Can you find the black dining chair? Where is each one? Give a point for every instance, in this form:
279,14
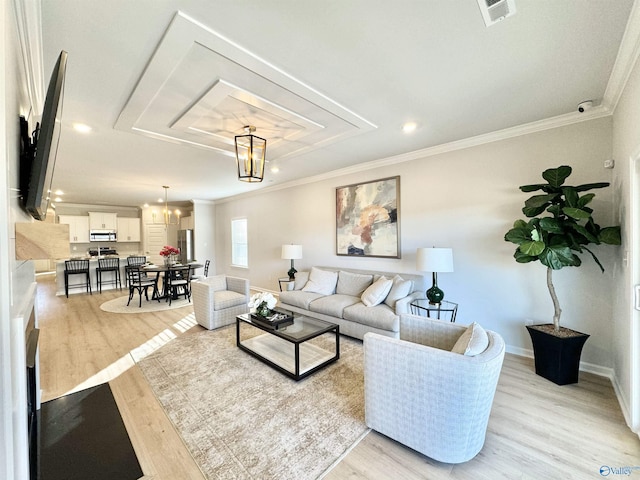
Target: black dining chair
205,274
133,260
139,281
106,265
76,267
179,283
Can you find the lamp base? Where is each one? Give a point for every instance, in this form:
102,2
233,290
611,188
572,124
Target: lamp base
435,295
292,273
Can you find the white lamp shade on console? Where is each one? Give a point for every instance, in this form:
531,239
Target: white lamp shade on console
435,260
292,252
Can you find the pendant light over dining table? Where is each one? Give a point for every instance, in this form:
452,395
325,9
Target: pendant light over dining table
250,155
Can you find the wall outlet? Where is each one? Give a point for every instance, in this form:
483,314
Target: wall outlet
609,163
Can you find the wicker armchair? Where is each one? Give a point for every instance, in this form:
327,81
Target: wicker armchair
426,397
219,299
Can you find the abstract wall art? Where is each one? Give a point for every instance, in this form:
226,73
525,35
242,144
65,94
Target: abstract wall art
368,219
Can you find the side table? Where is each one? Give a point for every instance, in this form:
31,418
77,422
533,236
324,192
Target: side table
440,311
288,284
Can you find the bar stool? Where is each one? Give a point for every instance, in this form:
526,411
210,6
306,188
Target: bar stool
76,267
108,265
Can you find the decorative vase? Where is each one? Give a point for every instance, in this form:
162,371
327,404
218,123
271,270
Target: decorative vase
263,310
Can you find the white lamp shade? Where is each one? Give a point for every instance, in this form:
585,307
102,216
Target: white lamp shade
434,260
291,252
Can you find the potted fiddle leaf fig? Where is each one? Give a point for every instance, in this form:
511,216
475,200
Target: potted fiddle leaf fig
560,226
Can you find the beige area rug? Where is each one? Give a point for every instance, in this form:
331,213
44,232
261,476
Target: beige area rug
241,419
119,305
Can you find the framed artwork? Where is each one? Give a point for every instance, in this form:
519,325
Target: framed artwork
368,219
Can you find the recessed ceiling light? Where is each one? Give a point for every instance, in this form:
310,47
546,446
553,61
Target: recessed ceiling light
81,127
59,192
58,199
409,127
275,169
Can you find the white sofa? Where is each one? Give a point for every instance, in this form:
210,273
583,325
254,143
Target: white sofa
219,299
349,298
433,388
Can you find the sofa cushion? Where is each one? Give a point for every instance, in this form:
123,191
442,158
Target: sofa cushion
216,283
377,292
352,283
321,281
400,289
298,298
301,280
226,299
380,316
333,305
473,341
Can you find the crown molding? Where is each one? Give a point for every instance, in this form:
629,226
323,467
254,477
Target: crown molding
625,60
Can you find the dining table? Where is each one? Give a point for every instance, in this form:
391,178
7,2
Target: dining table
164,270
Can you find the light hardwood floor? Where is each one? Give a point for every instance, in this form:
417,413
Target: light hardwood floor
537,429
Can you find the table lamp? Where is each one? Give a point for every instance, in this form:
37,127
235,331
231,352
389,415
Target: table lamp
435,260
292,252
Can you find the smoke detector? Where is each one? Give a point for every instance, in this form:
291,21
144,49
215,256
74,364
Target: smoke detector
493,11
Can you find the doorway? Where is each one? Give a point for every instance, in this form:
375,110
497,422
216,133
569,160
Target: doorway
156,238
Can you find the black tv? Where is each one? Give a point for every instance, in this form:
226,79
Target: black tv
38,152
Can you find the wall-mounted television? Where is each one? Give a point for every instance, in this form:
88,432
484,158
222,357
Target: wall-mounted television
38,151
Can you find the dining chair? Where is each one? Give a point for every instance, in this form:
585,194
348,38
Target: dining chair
139,281
205,274
76,267
133,260
179,283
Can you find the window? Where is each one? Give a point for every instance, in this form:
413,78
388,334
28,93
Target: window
239,243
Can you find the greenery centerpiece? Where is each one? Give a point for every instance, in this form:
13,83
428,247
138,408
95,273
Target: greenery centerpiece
263,302
560,226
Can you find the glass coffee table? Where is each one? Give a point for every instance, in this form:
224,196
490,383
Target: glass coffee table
297,350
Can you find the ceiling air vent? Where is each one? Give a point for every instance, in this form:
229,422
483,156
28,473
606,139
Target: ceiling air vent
495,10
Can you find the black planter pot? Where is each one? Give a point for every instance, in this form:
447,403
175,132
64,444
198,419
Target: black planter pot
557,358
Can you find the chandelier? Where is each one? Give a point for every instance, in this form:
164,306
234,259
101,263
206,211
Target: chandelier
167,215
250,154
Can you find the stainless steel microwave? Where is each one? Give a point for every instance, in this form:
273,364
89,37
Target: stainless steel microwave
102,236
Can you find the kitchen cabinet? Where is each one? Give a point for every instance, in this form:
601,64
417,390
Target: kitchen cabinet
186,223
78,227
103,221
128,229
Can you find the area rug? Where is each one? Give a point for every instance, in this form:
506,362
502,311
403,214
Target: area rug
119,305
241,419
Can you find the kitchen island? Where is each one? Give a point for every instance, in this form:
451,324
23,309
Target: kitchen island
93,264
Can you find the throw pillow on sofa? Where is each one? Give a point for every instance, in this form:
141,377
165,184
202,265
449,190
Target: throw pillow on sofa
400,289
472,342
377,292
301,280
321,281
352,283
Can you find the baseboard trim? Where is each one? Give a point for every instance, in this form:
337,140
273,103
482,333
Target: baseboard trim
584,366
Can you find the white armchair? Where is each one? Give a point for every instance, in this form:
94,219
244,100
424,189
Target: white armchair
426,397
219,299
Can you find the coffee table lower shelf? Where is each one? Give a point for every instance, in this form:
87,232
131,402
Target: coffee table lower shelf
295,357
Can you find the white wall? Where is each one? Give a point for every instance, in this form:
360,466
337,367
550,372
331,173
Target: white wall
16,278
204,233
626,144
466,200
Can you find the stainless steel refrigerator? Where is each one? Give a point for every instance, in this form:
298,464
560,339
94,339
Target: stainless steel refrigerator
185,244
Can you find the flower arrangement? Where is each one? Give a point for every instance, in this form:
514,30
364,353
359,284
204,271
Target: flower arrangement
168,251
263,302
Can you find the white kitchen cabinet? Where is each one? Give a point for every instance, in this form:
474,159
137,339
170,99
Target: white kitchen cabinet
128,229
78,227
103,221
186,223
